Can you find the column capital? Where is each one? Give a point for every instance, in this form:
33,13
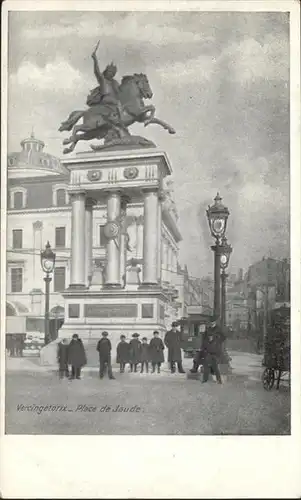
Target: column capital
75,193
113,191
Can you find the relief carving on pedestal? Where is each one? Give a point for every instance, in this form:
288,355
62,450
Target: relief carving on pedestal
94,175
130,172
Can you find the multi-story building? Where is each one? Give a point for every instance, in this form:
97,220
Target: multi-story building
39,210
268,287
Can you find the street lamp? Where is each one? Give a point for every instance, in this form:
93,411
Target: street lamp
47,263
224,262
217,215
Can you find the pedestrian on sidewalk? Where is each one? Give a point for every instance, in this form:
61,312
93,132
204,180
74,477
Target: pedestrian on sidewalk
76,356
135,352
173,340
211,349
122,353
156,352
104,348
62,358
144,355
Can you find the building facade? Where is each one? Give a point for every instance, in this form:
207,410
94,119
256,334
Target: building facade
39,210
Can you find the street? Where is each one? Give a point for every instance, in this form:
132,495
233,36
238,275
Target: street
160,404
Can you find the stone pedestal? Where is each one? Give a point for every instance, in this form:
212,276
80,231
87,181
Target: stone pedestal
111,178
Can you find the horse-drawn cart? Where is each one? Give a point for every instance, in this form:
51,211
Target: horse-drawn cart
277,349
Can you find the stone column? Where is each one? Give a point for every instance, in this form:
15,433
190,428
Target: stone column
159,237
78,240
164,260
112,233
170,263
139,237
89,241
123,241
150,237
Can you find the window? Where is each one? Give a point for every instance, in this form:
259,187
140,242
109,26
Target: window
16,279
60,197
18,200
18,197
59,279
60,237
102,238
17,238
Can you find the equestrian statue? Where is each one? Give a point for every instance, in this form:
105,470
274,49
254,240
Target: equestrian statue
112,108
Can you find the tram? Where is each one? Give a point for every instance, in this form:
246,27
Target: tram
192,329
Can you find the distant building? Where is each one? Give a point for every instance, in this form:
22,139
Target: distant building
39,210
268,287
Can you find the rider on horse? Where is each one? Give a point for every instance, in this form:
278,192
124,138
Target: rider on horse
107,93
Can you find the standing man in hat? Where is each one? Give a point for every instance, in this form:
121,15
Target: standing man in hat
156,351
76,356
173,340
104,348
211,351
135,352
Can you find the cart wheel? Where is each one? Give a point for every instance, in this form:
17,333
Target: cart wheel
268,379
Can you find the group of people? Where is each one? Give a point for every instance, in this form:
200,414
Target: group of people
136,353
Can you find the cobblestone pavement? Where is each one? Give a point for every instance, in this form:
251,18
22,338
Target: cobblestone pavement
160,404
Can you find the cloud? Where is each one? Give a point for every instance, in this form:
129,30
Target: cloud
198,69
57,75
132,27
250,60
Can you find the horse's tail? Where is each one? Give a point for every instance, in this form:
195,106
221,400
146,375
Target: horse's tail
71,121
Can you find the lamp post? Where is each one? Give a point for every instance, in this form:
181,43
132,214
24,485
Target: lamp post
47,263
225,256
217,215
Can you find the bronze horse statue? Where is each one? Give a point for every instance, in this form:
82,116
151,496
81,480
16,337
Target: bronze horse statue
105,121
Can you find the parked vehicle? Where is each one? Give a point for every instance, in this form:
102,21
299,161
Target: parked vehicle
277,348
192,329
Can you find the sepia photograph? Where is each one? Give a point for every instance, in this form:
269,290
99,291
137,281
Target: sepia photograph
148,245
148,224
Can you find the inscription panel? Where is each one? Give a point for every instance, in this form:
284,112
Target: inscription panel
147,310
73,310
111,310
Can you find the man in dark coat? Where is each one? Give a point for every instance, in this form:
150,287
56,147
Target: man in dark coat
144,355
212,351
76,356
104,348
173,341
62,357
156,352
123,353
135,352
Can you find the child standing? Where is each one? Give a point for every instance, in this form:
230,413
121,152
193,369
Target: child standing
123,353
135,351
156,352
144,355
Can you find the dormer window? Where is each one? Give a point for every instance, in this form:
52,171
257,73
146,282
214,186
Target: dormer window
60,196
18,198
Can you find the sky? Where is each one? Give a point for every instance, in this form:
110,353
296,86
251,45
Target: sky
220,79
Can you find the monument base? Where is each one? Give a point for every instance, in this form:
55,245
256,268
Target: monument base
119,312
